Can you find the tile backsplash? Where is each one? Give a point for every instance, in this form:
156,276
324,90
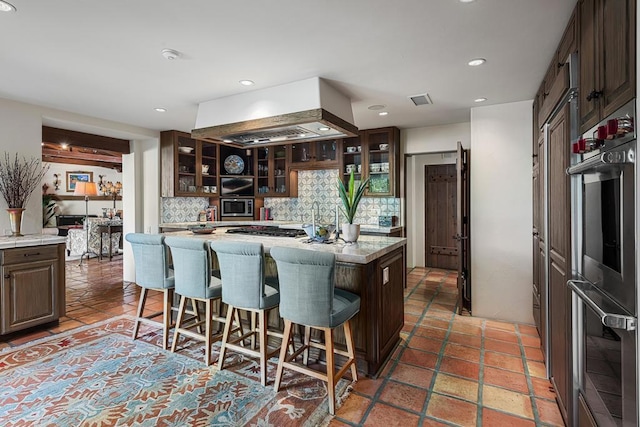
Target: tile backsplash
321,186
313,186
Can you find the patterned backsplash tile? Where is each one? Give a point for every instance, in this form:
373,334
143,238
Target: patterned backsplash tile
313,186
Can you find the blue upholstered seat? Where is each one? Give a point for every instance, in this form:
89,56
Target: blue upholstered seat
194,280
308,297
152,272
244,287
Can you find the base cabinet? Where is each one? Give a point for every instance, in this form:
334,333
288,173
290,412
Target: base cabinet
31,287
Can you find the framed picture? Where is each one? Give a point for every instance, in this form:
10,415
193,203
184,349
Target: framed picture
73,177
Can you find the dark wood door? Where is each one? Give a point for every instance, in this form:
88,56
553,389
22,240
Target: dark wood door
617,53
589,111
440,217
559,259
462,229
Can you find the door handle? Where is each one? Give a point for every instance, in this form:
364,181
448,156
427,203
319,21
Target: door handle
607,317
459,237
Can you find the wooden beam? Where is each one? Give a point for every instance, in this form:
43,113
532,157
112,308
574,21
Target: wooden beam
80,155
81,139
63,160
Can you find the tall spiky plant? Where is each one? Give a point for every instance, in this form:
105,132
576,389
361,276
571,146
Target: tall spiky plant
18,178
351,197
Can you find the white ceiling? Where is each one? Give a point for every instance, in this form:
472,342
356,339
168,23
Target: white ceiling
103,58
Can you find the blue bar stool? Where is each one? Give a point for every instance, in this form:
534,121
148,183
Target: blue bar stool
244,288
152,273
308,297
194,280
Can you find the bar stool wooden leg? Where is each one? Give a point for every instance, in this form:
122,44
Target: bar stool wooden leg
196,312
252,315
166,317
225,336
307,339
239,322
183,300
143,299
208,331
286,336
263,345
331,374
350,349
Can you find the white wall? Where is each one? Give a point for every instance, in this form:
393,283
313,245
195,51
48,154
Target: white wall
424,140
77,207
415,204
501,211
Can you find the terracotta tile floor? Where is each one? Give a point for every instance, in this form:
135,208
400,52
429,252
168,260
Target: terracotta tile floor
447,370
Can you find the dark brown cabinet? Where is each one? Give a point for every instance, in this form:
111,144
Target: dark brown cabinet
374,154
271,171
559,243
32,286
316,155
189,166
607,58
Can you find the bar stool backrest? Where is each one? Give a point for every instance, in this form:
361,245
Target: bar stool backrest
306,285
242,273
192,266
150,257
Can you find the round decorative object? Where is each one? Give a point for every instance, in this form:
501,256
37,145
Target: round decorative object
234,164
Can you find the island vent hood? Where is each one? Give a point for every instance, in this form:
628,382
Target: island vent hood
306,110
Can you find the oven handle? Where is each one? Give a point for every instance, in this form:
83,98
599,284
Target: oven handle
610,158
613,320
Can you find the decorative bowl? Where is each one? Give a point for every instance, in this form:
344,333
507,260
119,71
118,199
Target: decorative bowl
186,150
202,229
323,231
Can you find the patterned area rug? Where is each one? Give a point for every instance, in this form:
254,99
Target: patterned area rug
98,376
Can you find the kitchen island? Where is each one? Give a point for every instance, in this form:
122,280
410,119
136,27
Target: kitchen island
374,269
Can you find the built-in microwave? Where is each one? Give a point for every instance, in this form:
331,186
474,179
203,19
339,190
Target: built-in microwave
236,208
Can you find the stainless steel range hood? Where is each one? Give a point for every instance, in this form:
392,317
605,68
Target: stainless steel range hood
307,110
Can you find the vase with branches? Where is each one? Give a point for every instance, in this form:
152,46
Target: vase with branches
350,199
19,177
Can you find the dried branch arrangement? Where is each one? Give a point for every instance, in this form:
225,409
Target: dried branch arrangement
19,177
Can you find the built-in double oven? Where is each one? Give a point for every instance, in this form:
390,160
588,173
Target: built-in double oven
604,292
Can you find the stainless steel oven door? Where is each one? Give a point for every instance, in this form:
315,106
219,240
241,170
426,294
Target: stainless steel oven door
604,357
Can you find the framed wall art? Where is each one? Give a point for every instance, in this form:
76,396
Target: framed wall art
73,177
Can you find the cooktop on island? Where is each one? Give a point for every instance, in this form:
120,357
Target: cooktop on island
267,230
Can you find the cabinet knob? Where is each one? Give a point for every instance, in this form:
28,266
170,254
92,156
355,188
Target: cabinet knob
594,94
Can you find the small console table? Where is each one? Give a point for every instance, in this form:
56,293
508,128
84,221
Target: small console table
109,228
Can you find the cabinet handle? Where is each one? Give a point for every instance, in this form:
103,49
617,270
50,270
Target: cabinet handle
594,94
561,64
535,233
33,254
7,276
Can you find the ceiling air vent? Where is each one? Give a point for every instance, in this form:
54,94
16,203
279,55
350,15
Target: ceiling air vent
423,99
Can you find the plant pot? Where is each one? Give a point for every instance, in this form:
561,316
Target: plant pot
15,218
350,232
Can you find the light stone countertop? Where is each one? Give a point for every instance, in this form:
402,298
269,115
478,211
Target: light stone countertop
369,228
367,249
8,242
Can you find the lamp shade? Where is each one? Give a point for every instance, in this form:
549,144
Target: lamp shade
85,189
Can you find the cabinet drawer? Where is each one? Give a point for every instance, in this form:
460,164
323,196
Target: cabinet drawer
29,254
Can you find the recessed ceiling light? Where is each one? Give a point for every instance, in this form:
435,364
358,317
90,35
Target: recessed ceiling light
170,54
64,146
227,140
7,7
246,82
161,110
376,107
480,100
323,128
466,1
477,61
383,113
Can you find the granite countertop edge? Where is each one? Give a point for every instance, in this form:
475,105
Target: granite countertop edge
370,228
8,242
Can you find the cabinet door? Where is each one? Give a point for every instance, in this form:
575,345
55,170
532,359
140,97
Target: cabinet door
568,44
559,259
271,171
381,147
29,295
353,159
316,155
208,161
617,54
589,108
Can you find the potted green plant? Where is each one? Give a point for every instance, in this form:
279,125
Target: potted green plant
350,199
18,178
